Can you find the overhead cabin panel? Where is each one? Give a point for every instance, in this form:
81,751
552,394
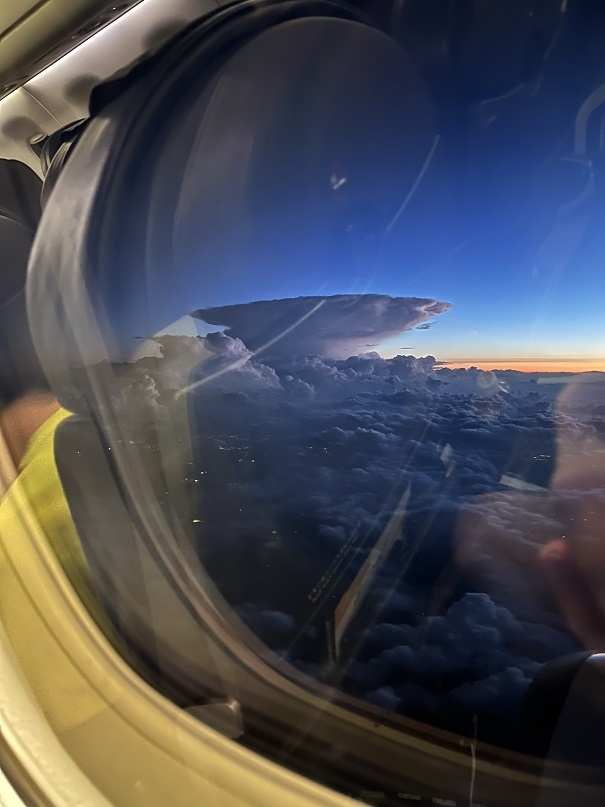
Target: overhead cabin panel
59,93
34,32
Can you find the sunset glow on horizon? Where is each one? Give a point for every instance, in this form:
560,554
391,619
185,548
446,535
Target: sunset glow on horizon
531,365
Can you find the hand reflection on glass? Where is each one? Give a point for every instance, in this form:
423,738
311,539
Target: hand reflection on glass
575,561
506,541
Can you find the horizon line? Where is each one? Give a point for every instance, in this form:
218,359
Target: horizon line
528,365
524,359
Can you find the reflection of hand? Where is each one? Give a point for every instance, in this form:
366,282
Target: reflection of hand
505,541
576,561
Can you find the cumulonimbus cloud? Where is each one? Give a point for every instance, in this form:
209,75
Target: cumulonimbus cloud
336,327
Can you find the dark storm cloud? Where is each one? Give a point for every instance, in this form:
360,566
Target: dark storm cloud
477,655
336,326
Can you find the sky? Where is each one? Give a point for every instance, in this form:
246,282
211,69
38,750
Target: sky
515,276
507,313
548,332
531,320
524,318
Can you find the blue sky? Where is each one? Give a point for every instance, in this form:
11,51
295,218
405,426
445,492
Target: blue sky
508,310
522,317
523,312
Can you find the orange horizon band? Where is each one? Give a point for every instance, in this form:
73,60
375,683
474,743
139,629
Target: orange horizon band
531,365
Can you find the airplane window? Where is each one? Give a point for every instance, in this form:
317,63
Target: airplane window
336,360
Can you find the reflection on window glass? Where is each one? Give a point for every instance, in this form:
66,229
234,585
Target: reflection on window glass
379,425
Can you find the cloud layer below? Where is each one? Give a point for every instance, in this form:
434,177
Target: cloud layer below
298,460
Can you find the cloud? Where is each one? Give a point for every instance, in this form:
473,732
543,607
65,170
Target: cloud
498,537
228,367
298,461
475,658
467,618
273,627
338,326
213,364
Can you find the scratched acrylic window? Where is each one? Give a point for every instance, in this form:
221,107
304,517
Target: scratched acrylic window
381,442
